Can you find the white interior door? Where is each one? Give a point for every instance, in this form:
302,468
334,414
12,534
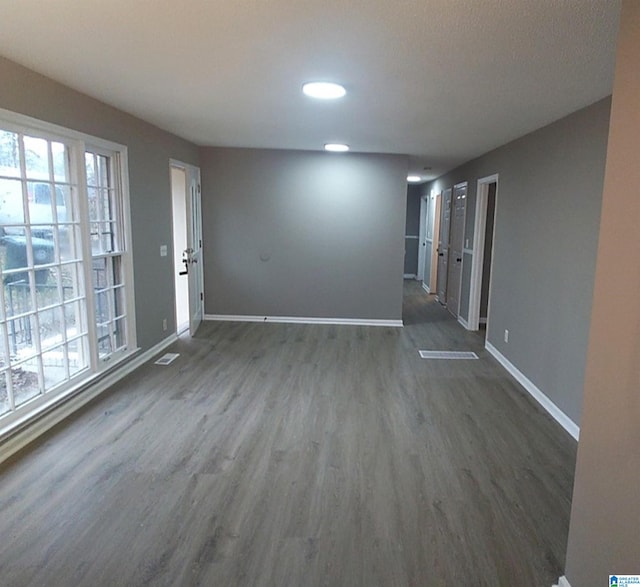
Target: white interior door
443,245
456,242
193,253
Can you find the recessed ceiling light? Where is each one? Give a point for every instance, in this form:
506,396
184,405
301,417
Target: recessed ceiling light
324,90
336,147
414,178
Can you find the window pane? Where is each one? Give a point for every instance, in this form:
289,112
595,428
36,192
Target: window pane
70,281
4,353
60,162
9,154
103,312
107,237
36,153
94,204
120,333
70,239
22,333
40,203
4,394
119,302
50,328
17,297
100,279
103,171
43,248
53,363
117,270
90,167
96,245
104,341
25,381
11,207
78,358
47,294
64,204
73,314
105,205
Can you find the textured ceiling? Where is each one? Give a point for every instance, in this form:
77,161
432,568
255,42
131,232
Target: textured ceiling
440,80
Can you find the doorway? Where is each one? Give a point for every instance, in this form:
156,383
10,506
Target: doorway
429,234
179,216
484,230
187,246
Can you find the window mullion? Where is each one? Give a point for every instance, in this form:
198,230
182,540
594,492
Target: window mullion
87,258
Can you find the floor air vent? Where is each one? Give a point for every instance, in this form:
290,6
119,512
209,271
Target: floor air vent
167,358
447,355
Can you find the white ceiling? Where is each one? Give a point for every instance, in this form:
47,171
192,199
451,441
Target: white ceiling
440,80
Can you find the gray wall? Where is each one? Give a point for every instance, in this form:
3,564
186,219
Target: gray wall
546,233
150,149
304,234
605,512
411,230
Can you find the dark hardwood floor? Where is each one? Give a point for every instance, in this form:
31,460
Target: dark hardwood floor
295,455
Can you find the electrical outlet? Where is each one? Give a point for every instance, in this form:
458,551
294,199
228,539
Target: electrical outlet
506,335
163,250
164,324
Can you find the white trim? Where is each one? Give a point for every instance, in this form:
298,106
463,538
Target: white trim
411,236
463,322
303,320
562,582
479,229
569,425
426,288
410,276
31,429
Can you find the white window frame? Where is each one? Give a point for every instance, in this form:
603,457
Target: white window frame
79,143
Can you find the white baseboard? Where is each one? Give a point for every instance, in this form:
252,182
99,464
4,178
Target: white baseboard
562,582
463,322
410,276
301,320
58,411
556,413
426,288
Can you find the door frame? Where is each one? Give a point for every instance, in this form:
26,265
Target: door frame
191,172
479,229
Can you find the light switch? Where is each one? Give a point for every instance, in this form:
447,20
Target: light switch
163,250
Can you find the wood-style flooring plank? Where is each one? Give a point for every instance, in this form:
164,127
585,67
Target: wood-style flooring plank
298,455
